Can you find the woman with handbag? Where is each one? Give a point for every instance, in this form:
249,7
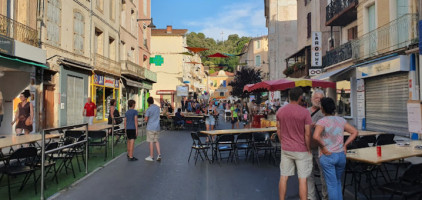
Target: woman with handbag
114,113
24,115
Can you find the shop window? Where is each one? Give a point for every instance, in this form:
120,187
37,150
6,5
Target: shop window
53,22
78,33
343,99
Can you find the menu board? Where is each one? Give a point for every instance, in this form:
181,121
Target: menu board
414,116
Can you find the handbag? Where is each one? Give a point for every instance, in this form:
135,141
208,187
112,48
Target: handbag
28,122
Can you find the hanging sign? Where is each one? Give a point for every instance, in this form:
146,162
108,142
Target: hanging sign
316,49
109,82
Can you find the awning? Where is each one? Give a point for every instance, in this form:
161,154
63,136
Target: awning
132,83
75,64
26,62
165,92
327,75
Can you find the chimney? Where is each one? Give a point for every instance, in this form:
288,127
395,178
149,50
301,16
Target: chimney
169,29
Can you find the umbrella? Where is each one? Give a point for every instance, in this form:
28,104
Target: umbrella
217,55
186,53
196,49
193,62
247,87
287,83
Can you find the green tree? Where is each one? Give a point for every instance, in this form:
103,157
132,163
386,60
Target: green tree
243,77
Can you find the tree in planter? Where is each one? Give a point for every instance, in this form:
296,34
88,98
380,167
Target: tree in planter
243,77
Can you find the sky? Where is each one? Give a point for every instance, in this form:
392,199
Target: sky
215,18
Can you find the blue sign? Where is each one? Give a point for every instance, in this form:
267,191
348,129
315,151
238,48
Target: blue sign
116,83
98,79
420,36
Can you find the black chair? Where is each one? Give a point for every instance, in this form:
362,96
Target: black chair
243,142
77,151
369,139
225,143
199,147
21,162
262,142
98,139
408,185
66,156
387,138
74,134
48,163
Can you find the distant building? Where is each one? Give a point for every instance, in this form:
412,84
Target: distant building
256,56
219,84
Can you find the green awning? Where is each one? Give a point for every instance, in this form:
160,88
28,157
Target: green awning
24,61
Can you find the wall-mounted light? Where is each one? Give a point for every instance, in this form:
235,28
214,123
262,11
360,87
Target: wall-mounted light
151,25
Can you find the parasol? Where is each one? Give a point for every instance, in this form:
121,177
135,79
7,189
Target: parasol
247,87
217,55
287,83
196,49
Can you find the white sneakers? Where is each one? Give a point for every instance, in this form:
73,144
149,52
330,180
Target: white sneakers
149,158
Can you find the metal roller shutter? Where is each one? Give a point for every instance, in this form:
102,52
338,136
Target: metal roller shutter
75,100
386,99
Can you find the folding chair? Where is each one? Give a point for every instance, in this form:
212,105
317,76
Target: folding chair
98,139
199,148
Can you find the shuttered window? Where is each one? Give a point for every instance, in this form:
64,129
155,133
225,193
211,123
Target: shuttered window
352,33
145,7
78,33
257,61
386,103
309,25
53,22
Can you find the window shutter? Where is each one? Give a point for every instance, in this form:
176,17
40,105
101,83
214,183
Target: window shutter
309,25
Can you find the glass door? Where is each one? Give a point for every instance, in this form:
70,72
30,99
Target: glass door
99,101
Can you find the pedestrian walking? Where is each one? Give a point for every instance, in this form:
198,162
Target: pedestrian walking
316,114
211,111
24,115
294,130
152,117
89,111
245,115
329,135
113,113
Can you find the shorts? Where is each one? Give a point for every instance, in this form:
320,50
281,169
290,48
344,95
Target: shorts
131,134
210,120
234,120
290,160
152,136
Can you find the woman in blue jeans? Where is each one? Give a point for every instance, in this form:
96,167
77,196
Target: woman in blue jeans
329,135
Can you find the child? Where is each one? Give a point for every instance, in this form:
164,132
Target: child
131,127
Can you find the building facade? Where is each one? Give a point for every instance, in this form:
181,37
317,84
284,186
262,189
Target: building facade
22,62
281,21
219,84
256,56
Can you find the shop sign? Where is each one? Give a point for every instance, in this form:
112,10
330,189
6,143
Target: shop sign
165,92
7,45
315,72
400,63
109,82
147,85
316,50
98,79
182,91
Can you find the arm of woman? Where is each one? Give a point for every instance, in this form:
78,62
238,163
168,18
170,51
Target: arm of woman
31,111
317,138
353,134
16,116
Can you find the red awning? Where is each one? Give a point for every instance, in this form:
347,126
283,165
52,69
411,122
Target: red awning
217,55
287,83
196,49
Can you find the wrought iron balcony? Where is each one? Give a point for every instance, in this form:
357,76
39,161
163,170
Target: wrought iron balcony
106,65
337,55
150,75
395,35
341,12
132,69
18,31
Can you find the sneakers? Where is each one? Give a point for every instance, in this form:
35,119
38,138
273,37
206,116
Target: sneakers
132,159
159,158
149,158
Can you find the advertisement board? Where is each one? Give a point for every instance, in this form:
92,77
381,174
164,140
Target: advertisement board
182,91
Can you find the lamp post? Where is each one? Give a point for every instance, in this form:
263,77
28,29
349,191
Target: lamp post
151,25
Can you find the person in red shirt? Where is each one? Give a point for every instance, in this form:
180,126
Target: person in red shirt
294,130
89,111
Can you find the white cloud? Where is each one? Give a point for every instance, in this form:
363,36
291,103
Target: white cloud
244,19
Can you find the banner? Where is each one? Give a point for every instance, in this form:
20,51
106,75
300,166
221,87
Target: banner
182,91
316,50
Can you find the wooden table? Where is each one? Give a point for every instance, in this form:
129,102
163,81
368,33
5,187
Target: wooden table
388,153
236,131
9,141
95,127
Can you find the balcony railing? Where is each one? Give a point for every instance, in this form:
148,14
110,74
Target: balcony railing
392,36
132,69
150,75
106,65
18,31
337,55
341,12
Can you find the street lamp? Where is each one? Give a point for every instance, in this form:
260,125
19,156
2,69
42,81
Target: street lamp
151,25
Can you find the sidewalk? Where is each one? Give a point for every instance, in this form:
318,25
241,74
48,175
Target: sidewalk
175,178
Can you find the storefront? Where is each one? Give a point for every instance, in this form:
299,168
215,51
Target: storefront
382,94
147,87
74,83
131,89
104,89
167,96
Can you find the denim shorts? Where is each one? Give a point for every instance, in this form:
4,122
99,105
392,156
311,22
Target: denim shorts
210,120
